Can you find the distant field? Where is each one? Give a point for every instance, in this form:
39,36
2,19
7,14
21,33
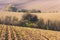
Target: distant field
43,5
45,16
8,32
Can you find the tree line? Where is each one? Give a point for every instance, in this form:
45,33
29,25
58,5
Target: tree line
15,9
31,20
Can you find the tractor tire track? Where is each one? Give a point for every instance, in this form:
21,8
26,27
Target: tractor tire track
17,34
3,33
9,34
13,34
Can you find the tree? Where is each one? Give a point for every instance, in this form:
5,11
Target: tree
41,23
12,8
30,17
54,26
48,24
58,26
51,25
0,21
28,20
14,20
36,11
7,20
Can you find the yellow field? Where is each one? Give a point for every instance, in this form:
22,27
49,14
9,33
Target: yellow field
8,32
45,16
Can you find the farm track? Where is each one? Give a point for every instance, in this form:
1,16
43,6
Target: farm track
16,33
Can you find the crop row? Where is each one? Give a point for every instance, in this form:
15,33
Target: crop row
8,32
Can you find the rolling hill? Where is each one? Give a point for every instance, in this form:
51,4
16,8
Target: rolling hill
43,5
45,16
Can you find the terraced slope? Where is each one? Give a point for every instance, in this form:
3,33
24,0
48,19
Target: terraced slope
8,32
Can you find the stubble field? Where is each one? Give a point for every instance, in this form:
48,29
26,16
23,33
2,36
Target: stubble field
8,32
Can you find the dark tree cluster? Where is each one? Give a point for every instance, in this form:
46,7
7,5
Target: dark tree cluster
30,17
31,11
15,9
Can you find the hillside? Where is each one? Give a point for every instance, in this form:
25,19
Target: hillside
43,5
8,32
45,16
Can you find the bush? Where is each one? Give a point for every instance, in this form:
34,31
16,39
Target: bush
22,22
